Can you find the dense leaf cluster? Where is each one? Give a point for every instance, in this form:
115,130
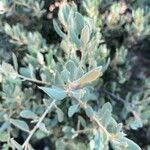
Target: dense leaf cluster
86,90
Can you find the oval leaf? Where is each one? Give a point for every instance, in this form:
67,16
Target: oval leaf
4,136
54,92
20,124
85,34
74,38
89,111
132,145
58,30
72,110
28,114
89,77
60,114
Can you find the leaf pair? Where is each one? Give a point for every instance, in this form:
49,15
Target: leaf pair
59,93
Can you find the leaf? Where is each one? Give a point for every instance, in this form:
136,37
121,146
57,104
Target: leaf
65,75
72,110
59,144
89,111
25,72
68,132
4,136
40,58
54,92
98,141
58,30
89,77
74,38
107,107
7,68
43,128
82,121
79,20
135,123
105,117
124,143
131,145
28,114
5,147
85,34
15,63
92,144
5,126
60,114
20,124
71,67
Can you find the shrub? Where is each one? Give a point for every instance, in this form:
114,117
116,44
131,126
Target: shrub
72,92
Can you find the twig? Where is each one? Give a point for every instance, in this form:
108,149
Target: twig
96,120
38,124
84,131
33,80
112,95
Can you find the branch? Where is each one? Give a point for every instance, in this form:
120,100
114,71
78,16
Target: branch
33,80
38,124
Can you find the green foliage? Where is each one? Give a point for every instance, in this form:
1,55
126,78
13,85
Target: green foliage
73,94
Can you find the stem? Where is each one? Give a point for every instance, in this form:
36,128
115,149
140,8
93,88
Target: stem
117,98
101,126
33,80
37,125
96,120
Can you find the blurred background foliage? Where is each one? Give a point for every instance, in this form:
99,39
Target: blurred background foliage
120,31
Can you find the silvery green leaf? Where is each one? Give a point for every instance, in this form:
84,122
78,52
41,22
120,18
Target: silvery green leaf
64,13
25,72
58,30
124,143
78,94
71,67
5,147
97,140
131,145
135,123
15,62
43,128
107,106
20,124
58,81
40,58
4,136
68,132
79,21
82,121
28,114
7,68
65,75
78,73
85,35
59,144
74,38
60,114
92,144
5,126
8,29
105,118
89,111
72,110
112,126
54,92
